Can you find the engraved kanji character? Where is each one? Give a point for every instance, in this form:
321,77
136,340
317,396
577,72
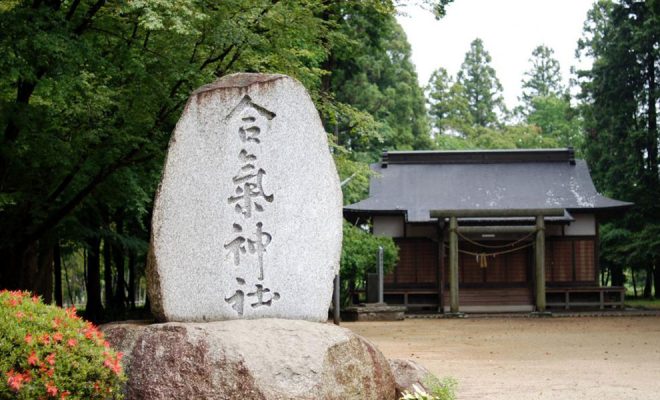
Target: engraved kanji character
259,294
250,186
237,245
237,299
262,239
249,129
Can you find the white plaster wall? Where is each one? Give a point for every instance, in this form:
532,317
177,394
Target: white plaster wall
584,224
388,226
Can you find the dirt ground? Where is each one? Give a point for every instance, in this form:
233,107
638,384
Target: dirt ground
528,358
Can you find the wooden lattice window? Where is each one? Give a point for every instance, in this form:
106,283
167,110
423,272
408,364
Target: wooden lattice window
418,263
559,261
570,260
585,260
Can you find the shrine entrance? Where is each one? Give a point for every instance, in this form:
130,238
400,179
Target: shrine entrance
517,276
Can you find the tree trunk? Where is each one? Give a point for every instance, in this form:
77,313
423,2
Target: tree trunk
656,280
118,252
28,267
107,274
120,287
618,279
634,281
43,280
132,278
72,301
605,276
57,264
94,308
648,284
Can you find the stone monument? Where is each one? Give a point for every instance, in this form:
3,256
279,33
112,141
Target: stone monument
248,217
246,239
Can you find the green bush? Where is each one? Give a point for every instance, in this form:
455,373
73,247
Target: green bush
444,389
359,255
49,352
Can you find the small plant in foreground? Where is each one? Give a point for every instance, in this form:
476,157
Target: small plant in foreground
47,352
444,389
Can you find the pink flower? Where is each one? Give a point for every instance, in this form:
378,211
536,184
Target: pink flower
57,336
72,342
33,359
35,299
113,363
51,389
71,312
19,315
15,380
44,339
50,359
28,338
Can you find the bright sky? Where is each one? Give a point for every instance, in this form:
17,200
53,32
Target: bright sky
510,29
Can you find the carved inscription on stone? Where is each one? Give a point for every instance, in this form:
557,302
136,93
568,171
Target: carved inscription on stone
250,239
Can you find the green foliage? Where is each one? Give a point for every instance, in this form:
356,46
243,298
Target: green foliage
448,105
643,304
557,119
519,136
543,79
620,100
89,95
482,88
49,352
378,102
360,252
444,389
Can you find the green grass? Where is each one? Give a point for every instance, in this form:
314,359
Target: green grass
644,304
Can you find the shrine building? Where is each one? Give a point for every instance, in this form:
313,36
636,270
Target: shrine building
490,231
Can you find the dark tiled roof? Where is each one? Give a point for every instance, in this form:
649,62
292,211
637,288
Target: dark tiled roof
413,183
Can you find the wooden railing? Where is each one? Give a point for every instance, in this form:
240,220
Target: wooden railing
600,297
408,293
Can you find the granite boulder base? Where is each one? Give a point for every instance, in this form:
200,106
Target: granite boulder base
247,218
256,359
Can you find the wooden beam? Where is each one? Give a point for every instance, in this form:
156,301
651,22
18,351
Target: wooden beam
453,265
540,264
496,213
441,265
496,229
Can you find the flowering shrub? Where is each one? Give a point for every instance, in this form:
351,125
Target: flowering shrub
49,352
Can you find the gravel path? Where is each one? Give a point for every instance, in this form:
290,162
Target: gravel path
530,358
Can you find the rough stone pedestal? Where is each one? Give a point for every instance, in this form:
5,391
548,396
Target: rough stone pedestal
250,359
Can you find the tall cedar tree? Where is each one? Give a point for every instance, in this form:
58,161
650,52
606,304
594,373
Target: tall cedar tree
620,93
482,88
543,79
379,102
448,105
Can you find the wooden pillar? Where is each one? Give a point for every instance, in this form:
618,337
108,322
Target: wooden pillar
540,264
441,266
453,265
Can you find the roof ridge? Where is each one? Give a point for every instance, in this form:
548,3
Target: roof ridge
504,156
